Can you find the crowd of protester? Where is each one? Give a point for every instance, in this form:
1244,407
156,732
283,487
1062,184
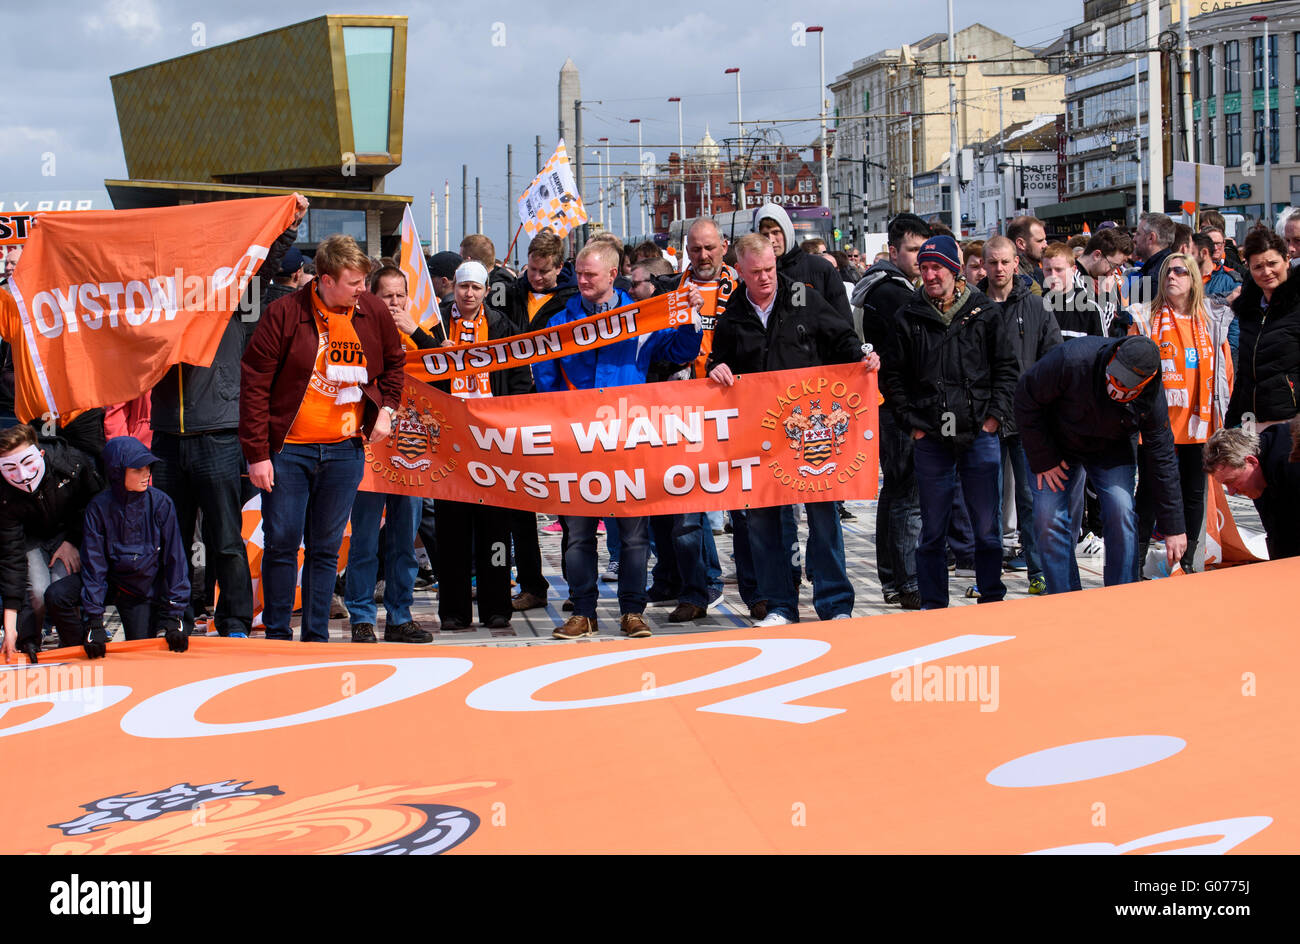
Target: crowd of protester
1094,379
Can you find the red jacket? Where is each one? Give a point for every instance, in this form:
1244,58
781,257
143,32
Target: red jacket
281,355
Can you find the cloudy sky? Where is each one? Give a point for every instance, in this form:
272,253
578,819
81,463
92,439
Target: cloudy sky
467,98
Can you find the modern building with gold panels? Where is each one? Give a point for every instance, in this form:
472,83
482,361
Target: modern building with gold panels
315,107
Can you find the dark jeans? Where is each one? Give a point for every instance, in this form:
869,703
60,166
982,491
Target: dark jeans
203,472
483,541
746,578
580,563
939,464
1057,517
961,533
429,534
315,486
528,553
401,514
1191,478
684,545
1016,464
774,551
63,601
898,510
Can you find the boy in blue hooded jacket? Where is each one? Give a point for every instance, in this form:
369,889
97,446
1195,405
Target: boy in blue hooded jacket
131,557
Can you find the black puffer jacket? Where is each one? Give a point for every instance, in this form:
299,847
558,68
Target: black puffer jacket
799,266
1064,414
880,293
807,335
1033,331
58,506
1267,384
966,368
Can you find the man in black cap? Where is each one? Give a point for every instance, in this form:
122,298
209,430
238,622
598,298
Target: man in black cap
1080,410
442,271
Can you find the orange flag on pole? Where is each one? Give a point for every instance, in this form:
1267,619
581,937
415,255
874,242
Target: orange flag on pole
419,286
104,302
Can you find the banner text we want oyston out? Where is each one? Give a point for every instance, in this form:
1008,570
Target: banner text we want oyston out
772,439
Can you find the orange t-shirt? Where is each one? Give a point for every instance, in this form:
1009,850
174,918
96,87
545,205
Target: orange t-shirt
320,419
535,302
715,293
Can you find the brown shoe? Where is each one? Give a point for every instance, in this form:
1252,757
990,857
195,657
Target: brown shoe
635,626
527,601
575,627
687,613
758,611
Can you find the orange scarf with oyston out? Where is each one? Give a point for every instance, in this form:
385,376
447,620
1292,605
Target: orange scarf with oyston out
345,361
473,330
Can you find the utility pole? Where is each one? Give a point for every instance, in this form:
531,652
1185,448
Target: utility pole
911,194
433,222
740,123
1156,183
821,96
446,214
464,201
1137,131
681,156
537,143
510,163
952,116
478,208
622,198
1002,190
1185,79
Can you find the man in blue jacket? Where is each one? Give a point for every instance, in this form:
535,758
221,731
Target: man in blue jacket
615,365
131,557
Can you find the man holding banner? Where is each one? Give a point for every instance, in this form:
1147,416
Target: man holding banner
615,365
323,369
774,323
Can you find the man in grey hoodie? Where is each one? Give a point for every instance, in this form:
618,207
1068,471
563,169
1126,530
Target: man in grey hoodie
772,222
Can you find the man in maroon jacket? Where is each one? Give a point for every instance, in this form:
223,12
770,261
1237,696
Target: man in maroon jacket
323,369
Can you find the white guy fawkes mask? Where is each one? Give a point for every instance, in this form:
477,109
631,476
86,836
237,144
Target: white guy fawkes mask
24,469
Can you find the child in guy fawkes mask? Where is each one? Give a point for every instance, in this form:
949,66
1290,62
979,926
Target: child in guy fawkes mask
46,488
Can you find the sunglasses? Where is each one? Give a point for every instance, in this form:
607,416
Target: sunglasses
1177,270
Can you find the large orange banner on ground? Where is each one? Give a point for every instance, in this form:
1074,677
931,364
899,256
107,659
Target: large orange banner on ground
690,445
1114,721
107,300
522,350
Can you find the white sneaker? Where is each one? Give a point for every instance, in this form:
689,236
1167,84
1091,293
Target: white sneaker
842,616
1091,545
718,602
611,573
773,619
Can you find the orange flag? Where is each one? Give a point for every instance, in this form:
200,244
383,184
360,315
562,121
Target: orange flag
105,301
419,286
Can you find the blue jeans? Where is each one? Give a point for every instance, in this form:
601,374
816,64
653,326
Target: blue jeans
687,565
400,524
938,465
315,486
774,549
1018,465
580,563
1058,516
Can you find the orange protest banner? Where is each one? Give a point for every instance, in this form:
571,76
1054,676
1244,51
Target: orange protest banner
1125,720
689,445
15,228
99,292
522,350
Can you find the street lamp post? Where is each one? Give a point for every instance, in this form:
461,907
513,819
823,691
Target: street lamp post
821,94
952,109
740,123
1268,169
640,173
681,154
603,172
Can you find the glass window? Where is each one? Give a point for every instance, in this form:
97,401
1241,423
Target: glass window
1210,65
1259,135
1211,141
1257,61
322,223
368,51
1233,155
1232,66
1196,74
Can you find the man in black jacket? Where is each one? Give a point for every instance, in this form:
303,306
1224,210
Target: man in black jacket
764,327
885,289
47,486
1033,332
195,421
543,290
773,223
1080,409
1265,467
950,384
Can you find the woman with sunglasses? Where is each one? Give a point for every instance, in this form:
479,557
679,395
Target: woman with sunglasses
1268,352
1196,366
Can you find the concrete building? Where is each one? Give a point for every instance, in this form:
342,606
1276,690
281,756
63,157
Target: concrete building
1107,137
315,107
1012,173
893,125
